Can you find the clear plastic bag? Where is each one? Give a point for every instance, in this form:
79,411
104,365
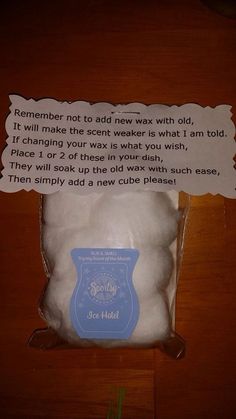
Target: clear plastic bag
112,263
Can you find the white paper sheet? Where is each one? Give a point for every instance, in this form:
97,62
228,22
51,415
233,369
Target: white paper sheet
86,147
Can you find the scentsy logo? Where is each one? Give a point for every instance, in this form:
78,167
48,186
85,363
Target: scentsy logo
103,288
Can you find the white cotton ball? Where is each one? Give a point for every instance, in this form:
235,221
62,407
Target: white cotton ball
152,271
142,217
68,209
57,244
56,306
56,301
55,249
153,323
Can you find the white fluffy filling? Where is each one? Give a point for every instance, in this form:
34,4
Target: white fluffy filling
146,221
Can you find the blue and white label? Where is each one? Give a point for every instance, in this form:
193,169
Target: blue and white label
104,304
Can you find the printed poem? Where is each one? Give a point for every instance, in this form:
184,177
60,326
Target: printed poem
81,147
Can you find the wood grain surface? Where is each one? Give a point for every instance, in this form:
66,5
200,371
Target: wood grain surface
120,51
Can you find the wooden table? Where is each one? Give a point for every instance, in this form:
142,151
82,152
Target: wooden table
123,51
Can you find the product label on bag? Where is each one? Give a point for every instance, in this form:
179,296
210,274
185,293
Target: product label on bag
85,147
104,304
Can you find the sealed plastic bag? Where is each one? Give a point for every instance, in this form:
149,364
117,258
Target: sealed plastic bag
111,261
